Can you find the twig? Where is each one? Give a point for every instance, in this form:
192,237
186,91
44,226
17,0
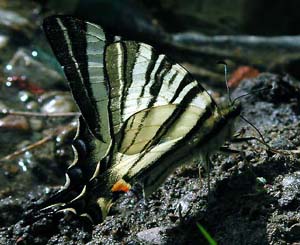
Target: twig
39,143
247,40
27,148
39,114
202,72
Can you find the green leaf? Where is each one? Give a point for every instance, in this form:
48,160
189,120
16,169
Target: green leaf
207,236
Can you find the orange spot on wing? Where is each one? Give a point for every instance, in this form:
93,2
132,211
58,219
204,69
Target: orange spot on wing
121,185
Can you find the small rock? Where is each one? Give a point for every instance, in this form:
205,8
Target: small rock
183,206
3,106
282,143
290,189
58,104
10,211
10,169
261,181
36,124
12,122
3,41
154,235
32,106
12,20
24,96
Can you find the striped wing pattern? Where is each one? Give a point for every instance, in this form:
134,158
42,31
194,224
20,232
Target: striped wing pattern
141,111
79,48
155,104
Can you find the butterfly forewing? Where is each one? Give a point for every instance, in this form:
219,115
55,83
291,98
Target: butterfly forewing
79,47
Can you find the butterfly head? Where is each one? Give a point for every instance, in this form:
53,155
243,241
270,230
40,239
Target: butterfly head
229,112
235,108
231,109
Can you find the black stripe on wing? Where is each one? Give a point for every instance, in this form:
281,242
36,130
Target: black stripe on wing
180,108
163,130
168,76
68,39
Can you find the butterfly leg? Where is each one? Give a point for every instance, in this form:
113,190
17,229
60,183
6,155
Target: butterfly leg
144,196
200,176
239,137
207,166
138,192
237,140
269,149
228,150
243,156
183,214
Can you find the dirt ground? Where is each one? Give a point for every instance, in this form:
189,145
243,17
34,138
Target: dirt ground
254,198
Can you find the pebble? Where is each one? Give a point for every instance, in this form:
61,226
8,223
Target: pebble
12,19
10,169
3,41
32,105
58,104
24,96
2,106
36,124
183,206
290,189
12,122
10,205
153,236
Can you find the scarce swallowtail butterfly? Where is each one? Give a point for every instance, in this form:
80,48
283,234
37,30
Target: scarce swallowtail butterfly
142,116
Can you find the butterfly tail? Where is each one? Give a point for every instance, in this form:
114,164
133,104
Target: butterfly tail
81,193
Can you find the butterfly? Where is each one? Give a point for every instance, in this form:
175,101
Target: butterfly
143,116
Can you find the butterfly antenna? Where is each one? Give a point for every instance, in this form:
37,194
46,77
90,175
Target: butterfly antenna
225,77
253,92
256,129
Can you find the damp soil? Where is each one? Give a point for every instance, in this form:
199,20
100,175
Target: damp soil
254,196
